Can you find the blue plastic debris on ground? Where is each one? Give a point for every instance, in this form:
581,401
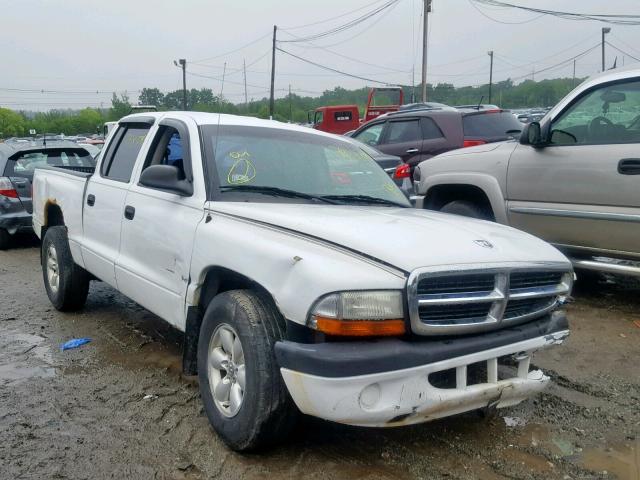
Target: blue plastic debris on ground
74,343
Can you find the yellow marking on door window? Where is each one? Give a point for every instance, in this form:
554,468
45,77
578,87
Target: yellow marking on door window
241,160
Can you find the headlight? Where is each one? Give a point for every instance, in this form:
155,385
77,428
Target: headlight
358,314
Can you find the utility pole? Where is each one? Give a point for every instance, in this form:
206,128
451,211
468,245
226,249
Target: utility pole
273,73
425,36
183,64
224,72
290,106
605,30
490,53
244,70
574,73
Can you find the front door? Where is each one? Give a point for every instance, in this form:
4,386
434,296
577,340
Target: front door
104,201
159,228
583,190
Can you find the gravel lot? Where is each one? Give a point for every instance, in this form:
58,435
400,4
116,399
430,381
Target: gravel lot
119,407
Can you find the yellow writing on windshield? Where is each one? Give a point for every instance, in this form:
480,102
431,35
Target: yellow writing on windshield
243,170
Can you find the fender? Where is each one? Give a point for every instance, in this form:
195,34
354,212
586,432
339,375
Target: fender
487,183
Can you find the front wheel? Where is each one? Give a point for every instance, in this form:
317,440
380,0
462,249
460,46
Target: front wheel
67,283
243,393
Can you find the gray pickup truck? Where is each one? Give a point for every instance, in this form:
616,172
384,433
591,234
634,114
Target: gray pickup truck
573,179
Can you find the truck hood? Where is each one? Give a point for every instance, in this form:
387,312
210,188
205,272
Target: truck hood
405,238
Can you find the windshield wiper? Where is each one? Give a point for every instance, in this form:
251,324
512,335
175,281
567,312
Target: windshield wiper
364,199
275,192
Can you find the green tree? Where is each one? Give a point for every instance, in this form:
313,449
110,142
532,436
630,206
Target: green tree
11,123
120,106
151,96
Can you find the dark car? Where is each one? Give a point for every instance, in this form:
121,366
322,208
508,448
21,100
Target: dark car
18,161
417,135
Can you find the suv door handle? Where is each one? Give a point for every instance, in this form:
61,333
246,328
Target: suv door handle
412,150
129,212
629,166
91,200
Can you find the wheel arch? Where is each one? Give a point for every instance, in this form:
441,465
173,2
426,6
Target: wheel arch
444,189
213,281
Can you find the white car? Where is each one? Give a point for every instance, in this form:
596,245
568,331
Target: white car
300,276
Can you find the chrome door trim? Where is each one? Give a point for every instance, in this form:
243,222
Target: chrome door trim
590,215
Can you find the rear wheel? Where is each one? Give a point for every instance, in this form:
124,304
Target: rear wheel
467,209
243,393
5,239
67,283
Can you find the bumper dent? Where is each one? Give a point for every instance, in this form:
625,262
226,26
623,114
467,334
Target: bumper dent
404,397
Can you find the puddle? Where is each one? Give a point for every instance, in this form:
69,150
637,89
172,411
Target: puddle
621,460
21,349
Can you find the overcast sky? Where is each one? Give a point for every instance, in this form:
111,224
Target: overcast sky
125,45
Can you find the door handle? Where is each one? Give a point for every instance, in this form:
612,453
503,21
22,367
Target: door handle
412,150
91,200
129,212
629,166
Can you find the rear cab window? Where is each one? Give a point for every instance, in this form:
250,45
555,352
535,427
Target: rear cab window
490,125
122,152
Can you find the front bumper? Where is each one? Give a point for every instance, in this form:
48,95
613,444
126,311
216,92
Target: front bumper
378,397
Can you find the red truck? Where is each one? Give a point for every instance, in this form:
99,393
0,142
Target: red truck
341,119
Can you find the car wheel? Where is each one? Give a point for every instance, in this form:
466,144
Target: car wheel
467,209
243,393
5,239
67,283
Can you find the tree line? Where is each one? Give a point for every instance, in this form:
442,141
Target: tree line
292,107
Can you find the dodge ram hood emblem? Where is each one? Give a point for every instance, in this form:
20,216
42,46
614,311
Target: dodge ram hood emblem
483,243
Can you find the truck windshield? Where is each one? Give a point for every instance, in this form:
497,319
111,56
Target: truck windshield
262,163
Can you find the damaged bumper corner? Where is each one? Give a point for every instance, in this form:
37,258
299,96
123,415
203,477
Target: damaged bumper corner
408,396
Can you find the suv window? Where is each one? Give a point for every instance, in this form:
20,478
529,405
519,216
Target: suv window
404,131
430,130
491,125
370,135
119,165
606,115
24,164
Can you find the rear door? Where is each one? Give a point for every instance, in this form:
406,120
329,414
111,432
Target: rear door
103,209
403,137
159,230
583,190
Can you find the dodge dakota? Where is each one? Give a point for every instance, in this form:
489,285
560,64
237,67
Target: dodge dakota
300,276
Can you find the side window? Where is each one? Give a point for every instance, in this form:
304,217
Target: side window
606,115
404,131
166,149
371,135
127,145
344,116
430,130
317,118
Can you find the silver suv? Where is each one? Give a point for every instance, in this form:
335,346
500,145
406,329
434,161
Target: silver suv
573,179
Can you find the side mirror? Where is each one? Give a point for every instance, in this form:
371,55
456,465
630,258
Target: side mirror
168,178
532,135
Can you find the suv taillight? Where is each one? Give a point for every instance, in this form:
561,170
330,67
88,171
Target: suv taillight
402,171
472,143
6,188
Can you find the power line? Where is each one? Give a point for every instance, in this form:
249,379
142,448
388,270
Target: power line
479,10
332,69
234,50
617,19
346,26
333,18
622,51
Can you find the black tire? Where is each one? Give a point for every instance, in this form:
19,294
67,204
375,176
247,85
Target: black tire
266,414
5,239
72,280
467,209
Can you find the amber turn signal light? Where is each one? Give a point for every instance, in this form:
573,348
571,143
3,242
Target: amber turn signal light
360,328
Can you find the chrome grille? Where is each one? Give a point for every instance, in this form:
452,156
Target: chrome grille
471,298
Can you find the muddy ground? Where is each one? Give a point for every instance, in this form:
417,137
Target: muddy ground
120,408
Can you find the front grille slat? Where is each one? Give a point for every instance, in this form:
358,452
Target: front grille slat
448,301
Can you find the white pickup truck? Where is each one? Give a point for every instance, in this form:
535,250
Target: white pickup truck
300,276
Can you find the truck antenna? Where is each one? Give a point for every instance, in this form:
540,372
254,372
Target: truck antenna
480,102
